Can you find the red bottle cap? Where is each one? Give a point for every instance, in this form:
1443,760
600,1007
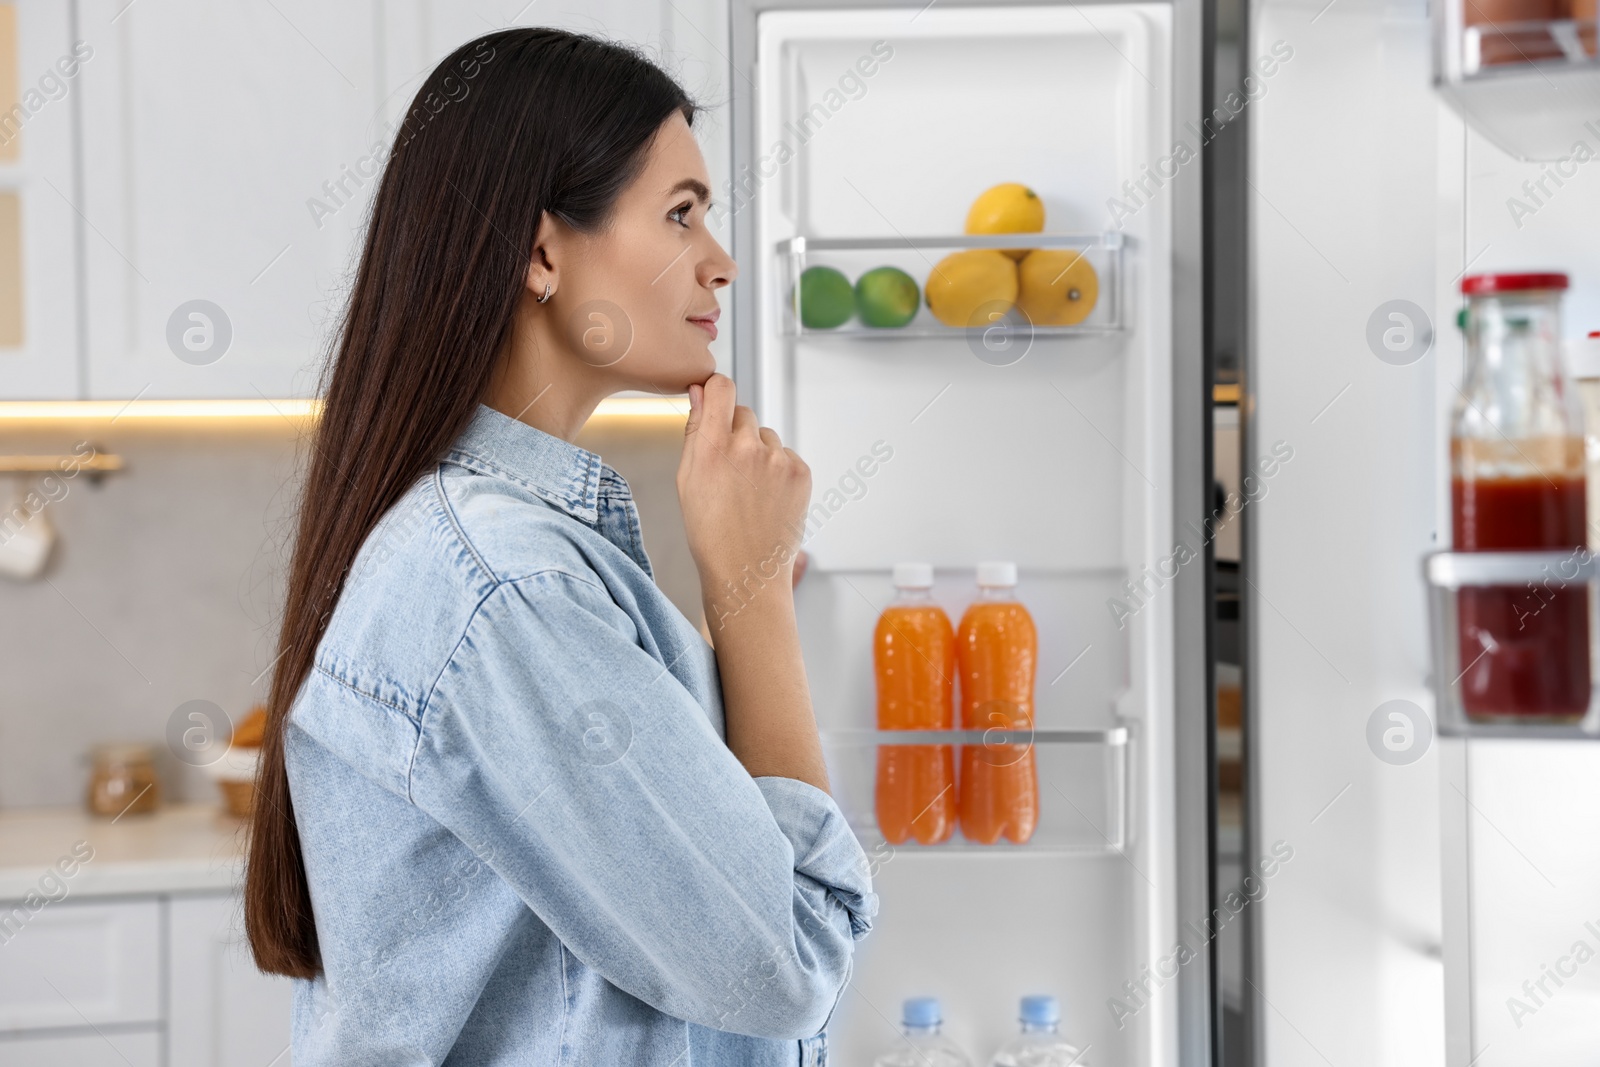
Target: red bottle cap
1476,284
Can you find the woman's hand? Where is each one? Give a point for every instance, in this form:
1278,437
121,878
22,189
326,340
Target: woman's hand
743,495
744,498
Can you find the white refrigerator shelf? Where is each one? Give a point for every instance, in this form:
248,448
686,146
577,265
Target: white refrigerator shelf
1526,86
917,256
1510,48
1082,776
1532,577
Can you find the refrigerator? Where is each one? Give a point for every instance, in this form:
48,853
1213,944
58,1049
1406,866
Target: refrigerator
1388,159
861,133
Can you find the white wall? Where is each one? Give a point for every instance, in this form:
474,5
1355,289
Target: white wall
166,585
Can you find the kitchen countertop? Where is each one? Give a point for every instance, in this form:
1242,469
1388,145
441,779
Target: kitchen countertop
179,848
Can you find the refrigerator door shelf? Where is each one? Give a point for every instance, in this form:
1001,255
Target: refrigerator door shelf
1004,331
1082,776
1533,577
1492,47
1526,86
1114,736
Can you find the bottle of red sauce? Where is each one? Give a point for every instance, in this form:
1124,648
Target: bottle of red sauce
1517,483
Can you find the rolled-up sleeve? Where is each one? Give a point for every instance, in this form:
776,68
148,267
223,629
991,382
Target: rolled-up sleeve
579,768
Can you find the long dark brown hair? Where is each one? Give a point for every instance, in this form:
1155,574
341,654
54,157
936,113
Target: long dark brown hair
507,127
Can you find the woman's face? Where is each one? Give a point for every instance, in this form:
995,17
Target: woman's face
627,299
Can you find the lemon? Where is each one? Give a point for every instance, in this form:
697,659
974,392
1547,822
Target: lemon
826,299
1009,207
1056,287
886,296
972,287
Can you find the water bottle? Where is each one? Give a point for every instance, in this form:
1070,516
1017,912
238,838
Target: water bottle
1039,1045
923,1045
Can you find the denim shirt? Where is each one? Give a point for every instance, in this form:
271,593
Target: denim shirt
526,839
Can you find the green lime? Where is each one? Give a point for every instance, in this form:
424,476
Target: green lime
887,296
826,299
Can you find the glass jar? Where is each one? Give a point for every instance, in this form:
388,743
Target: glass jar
123,781
1583,361
1518,484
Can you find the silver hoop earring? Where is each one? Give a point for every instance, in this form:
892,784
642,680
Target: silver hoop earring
546,296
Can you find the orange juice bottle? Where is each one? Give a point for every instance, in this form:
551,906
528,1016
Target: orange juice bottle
997,648
914,658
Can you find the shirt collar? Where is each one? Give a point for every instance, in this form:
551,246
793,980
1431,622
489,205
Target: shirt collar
557,471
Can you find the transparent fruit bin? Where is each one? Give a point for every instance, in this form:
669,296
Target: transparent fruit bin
918,256
1082,775
1531,583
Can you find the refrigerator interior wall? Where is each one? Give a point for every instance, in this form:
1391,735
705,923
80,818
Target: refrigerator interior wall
1059,461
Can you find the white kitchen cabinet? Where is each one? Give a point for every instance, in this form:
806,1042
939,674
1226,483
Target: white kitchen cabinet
163,981
416,36
222,1011
108,1049
217,146
39,322
76,964
190,206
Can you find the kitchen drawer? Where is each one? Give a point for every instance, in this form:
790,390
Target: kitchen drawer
75,965
115,1049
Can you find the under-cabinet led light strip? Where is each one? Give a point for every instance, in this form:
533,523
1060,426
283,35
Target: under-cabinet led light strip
113,410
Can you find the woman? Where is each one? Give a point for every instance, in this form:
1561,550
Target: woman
512,807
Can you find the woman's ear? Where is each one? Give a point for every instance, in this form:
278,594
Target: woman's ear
542,270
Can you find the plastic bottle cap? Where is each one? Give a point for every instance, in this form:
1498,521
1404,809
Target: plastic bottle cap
921,1011
1041,1010
997,574
913,576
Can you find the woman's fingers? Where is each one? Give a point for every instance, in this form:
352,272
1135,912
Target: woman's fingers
696,399
745,422
716,403
741,490
717,411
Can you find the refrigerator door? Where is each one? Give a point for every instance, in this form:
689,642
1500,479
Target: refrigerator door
861,136
1444,887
